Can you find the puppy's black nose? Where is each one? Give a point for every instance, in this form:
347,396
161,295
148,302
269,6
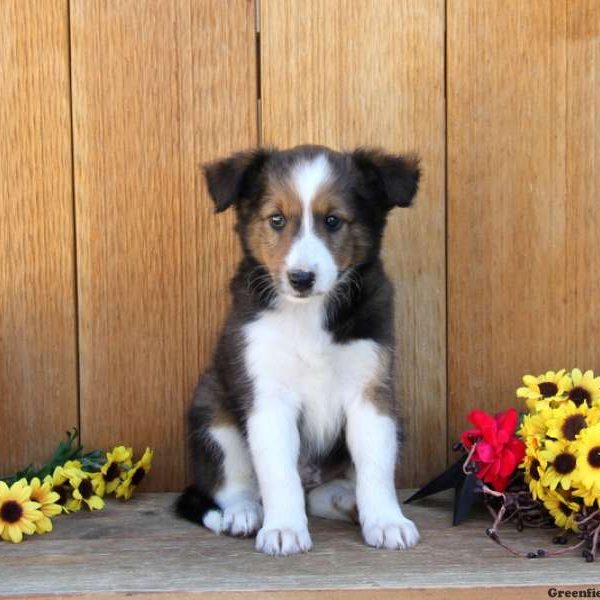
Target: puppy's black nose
301,281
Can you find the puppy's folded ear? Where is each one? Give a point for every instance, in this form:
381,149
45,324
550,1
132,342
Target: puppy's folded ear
393,179
236,177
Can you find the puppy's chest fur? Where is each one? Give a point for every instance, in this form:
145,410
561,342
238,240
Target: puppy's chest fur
295,364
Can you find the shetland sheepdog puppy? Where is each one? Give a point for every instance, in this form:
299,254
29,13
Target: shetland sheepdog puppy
296,412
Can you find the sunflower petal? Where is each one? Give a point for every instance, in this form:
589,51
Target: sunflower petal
21,493
95,503
588,376
15,534
51,510
43,525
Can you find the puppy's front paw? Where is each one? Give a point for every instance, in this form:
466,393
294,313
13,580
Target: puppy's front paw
284,541
242,519
394,534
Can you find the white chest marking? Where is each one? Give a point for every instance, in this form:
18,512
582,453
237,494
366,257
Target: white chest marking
292,359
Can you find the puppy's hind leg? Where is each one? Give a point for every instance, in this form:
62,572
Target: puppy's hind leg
225,495
237,496
335,499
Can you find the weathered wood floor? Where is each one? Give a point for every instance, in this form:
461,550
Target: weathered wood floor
139,547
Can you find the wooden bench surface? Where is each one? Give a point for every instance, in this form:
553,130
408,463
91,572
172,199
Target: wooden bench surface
139,547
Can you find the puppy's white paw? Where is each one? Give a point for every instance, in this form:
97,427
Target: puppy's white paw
284,541
242,519
393,534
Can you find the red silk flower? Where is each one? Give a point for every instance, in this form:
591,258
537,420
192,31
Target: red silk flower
498,451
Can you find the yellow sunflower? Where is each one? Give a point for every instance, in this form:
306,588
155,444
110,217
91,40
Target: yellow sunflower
534,468
85,492
135,475
567,421
99,483
534,426
583,388
561,456
73,465
60,484
540,391
563,509
588,496
111,470
588,461
593,416
72,469
18,513
48,500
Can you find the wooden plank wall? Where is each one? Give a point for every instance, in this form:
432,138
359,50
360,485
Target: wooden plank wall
158,88
347,73
38,365
523,189
113,266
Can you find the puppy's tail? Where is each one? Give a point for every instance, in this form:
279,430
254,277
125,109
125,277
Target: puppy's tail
198,507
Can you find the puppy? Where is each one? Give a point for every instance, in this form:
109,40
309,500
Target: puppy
296,411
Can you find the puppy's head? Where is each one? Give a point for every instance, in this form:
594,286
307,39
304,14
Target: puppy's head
310,214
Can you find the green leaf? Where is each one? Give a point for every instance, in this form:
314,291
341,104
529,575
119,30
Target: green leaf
69,449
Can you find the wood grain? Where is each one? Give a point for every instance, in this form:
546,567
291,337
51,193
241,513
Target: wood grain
344,73
158,88
582,165
523,183
140,547
511,592
38,376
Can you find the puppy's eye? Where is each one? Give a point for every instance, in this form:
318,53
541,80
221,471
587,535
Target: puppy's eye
332,222
277,221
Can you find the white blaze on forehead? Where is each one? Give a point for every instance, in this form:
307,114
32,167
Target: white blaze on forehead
308,176
309,252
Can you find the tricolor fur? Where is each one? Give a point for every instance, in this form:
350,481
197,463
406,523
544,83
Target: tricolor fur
297,410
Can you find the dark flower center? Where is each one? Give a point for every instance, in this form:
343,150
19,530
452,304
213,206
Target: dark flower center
63,493
579,395
112,472
11,511
137,477
593,457
572,426
86,489
564,463
548,389
565,510
533,469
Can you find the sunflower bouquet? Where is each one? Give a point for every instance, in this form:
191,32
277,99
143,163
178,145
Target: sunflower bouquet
539,470
70,481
